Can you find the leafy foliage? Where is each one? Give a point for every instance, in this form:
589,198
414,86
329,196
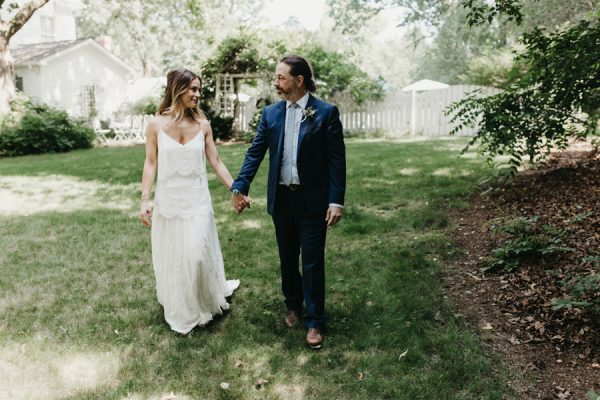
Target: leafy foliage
145,106
583,290
36,129
247,53
350,14
238,54
480,12
558,97
591,395
339,78
494,68
528,240
141,28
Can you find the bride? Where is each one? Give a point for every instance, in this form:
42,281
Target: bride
186,256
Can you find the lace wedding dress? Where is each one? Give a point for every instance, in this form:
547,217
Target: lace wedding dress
187,260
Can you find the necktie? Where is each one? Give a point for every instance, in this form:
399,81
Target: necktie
288,149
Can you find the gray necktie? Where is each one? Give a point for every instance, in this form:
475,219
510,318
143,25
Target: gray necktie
288,145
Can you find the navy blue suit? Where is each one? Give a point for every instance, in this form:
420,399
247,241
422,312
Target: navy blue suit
299,216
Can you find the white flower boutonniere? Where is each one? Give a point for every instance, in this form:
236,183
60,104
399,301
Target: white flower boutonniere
308,113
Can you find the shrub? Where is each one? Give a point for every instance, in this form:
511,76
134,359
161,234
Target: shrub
583,290
222,127
42,129
528,240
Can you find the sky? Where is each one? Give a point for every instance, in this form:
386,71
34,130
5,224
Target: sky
308,12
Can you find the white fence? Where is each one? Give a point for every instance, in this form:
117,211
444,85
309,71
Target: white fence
130,129
396,115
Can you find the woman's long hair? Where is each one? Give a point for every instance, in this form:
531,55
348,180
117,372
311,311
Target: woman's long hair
178,81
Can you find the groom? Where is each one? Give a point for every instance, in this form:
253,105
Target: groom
306,185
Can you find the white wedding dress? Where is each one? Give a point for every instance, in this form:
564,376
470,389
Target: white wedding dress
187,260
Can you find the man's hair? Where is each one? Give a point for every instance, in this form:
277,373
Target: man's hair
299,66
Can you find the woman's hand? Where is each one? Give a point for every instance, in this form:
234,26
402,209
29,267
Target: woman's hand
146,213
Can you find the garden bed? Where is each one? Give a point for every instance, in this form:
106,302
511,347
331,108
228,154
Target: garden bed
516,312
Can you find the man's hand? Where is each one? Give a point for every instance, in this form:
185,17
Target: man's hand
240,202
334,214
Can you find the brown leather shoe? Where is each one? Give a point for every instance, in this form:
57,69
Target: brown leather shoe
291,318
314,338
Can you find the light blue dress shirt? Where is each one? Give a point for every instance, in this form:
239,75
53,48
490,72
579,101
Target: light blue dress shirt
289,162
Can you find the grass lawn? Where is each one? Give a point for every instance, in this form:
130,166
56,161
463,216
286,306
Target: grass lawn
79,317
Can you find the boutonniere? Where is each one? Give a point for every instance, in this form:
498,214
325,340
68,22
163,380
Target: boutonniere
308,113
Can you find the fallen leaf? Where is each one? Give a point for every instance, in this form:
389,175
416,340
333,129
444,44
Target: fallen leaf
224,385
402,355
487,326
361,376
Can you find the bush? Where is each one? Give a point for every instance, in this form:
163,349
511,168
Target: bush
583,290
528,241
42,129
222,127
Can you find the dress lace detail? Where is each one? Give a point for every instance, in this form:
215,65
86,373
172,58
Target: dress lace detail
186,255
182,186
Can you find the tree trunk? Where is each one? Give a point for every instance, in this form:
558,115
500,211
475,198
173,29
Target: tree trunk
7,87
7,30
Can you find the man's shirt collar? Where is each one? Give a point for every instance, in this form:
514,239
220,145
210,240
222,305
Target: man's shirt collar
301,102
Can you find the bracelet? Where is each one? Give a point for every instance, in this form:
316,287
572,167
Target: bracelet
235,192
145,196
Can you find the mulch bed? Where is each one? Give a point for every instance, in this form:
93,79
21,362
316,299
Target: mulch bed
558,351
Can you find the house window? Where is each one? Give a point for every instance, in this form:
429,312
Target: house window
47,28
88,101
19,82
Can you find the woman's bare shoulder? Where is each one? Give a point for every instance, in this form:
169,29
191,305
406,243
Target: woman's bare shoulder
205,126
156,122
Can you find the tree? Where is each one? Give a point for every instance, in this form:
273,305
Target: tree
556,99
238,54
350,14
8,27
455,52
145,32
254,54
338,78
157,35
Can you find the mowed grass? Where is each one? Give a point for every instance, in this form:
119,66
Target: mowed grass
79,317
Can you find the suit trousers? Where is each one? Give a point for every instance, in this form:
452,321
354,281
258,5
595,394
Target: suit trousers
299,231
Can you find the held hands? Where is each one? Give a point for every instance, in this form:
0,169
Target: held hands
240,202
334,214
146,212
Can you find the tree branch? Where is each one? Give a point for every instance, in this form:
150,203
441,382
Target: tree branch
22,17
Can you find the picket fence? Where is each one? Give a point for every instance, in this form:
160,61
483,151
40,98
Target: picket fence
395,116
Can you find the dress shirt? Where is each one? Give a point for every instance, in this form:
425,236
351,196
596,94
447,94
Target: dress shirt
293,118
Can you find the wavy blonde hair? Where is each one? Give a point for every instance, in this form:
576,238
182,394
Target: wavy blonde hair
178,82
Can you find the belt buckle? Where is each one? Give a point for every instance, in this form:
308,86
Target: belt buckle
293,187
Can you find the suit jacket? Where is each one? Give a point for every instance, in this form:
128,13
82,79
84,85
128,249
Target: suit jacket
321,158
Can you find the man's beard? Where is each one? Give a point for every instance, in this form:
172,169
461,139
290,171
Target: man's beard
282,93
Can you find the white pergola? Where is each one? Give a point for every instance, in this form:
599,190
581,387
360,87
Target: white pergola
420,86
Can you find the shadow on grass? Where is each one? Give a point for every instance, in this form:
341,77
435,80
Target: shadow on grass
84,280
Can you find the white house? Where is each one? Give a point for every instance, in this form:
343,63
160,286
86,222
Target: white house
52,66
